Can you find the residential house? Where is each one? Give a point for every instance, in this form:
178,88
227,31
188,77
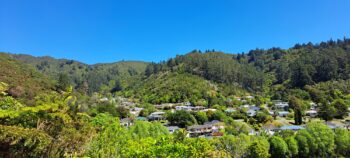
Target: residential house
311,113
198,108
156,116
200,130
333,125
270,129
216,125
186,108
136,111
282,113
230,110
291,127
126,122
251,113
172,129
205,110
281,105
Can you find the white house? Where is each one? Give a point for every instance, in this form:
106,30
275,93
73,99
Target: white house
172,129
311,113
251,112
281,105
205,110
282,113
186,108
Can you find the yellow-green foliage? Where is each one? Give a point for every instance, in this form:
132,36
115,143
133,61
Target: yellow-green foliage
34,141
172,87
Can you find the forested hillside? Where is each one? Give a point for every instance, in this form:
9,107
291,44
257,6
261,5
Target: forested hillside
24,81
84,77
260,70
64,108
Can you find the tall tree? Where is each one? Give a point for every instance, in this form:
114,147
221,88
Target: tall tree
63,82
297,106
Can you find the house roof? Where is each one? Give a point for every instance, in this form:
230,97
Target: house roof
212,122
333,124
171,128
291,127
158,113
199,126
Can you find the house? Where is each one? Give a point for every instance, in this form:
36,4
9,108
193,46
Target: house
282,113
186,108
205,110
172,129
164,106
230,110
270,129
198,108
126,122
255,108
279,104
334,125
199,130
156,116
136,111
282,105
311,113
251,113
291,127
216,125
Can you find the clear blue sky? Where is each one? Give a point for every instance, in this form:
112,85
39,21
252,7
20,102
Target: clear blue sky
154,30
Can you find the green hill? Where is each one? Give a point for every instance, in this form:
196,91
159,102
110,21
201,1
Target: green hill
259,70
91,77
24,81
171,87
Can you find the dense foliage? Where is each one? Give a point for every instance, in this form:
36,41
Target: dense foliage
41,117
23,81
86,78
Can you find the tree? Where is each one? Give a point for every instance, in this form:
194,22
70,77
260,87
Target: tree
181,118
109,142
278,147
296,104
327,111
301,74
201,117
259,148
117,86
63,82
342,142
292,147
122,111
317,140
341,108
305,143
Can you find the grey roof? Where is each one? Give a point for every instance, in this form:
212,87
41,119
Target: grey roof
199,126
212,122
291,127
172,128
